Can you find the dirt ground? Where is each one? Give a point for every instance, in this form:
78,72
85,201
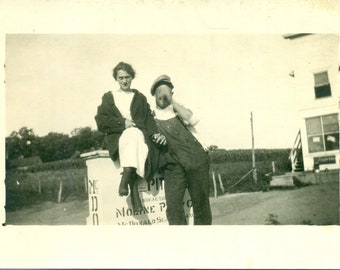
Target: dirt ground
311,205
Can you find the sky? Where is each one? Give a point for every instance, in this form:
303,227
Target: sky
54,83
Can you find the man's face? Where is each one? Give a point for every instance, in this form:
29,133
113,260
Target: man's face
163,96
124,79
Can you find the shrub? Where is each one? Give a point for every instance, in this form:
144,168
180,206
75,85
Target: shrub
272,219
58,165
306,222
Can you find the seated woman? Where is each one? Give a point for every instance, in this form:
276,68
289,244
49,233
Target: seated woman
131,133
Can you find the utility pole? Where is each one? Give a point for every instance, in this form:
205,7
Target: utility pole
253,150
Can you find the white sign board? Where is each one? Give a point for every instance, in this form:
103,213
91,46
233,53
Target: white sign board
106,207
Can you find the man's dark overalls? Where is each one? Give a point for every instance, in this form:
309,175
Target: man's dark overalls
188,167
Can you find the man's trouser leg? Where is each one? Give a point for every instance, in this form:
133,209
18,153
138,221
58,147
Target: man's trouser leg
175,185
198,186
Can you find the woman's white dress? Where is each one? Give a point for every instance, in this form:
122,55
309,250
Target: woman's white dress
133,150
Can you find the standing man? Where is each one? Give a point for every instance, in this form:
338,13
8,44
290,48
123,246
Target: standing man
187,161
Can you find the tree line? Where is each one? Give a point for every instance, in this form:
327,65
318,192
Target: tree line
58,146
54,146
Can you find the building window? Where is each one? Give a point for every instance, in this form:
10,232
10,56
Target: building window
322,86
323,133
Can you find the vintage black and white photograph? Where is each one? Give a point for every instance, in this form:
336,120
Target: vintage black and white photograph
172,129
196,131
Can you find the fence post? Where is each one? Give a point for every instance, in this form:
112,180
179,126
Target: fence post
221,184
253,149
214,182
60,191
39,186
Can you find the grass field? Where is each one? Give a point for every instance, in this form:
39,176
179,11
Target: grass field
26,188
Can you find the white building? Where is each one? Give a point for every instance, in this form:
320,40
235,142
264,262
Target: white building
316,74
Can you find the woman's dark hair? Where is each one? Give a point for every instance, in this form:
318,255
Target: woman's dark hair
126,67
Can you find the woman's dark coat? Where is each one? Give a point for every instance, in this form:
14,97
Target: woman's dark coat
111,122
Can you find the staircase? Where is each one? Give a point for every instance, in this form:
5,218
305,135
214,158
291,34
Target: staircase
295,156
296,159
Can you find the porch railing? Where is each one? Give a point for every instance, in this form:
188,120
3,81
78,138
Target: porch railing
294,153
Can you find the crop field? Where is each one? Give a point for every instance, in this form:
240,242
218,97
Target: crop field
24,189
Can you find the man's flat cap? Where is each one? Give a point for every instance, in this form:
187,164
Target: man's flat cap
162,79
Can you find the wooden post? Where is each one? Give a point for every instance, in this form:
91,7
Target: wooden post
221,184
214,182
60,191
39,186
273,167
253,149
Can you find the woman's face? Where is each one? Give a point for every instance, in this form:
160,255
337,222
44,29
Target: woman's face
124,79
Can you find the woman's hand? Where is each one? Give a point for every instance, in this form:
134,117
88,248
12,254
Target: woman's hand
129,123
159,138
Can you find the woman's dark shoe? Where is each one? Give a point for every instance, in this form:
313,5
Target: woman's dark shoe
123,186
128,176
123,190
